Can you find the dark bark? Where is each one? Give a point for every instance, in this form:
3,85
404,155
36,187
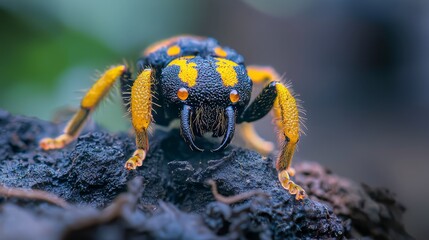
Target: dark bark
169,198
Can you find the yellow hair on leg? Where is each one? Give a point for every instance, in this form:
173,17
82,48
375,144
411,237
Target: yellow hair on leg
141,116
102,87
287,120
287,113
141,100
89,102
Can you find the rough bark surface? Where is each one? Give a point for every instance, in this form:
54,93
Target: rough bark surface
169,198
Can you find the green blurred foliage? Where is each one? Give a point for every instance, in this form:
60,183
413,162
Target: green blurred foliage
51,49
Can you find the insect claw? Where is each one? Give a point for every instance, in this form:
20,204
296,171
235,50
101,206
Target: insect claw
136,160
185,126
230,113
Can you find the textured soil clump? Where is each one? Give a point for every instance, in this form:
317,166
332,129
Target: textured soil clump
84,192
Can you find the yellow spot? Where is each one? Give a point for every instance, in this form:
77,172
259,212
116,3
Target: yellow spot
220,52
141,101
188,73
182,94
227,72
173,50
101,87
287,112
163,43
233,96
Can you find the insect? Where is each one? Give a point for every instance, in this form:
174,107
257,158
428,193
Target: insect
206,86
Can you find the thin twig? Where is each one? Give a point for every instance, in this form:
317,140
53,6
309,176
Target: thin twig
33,195
236,198
106,215
124,204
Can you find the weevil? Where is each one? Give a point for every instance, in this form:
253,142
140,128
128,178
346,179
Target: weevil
208,88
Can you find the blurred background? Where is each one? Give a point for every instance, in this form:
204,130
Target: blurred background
361,68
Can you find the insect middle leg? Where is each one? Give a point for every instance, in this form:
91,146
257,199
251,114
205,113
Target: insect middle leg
278,97
89,102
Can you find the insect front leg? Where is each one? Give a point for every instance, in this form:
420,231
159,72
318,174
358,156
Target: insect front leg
278,97
260,75
89,102
141,116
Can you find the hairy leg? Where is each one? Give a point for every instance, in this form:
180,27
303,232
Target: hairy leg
278,97
141,116
89,102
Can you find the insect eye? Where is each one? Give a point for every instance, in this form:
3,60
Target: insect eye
233,96
182,94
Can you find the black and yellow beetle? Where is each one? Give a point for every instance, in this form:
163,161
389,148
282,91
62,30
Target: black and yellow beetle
208,88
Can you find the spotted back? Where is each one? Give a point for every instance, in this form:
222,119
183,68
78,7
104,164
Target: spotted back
160,54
